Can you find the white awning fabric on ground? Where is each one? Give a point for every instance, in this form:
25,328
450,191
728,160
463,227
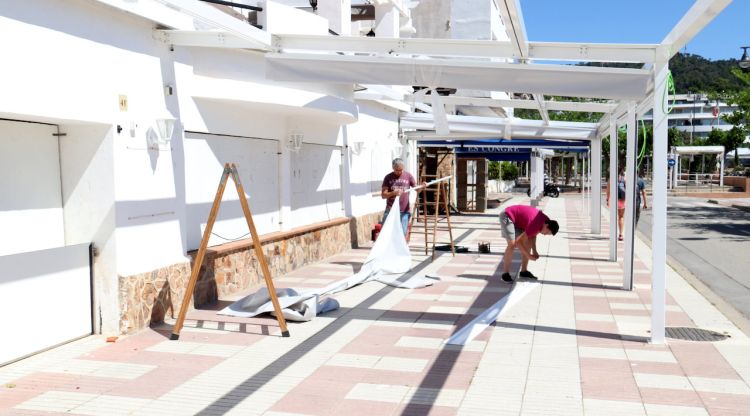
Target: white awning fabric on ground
565,80
388,261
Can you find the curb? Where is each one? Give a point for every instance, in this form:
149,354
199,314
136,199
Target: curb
741,207
725,308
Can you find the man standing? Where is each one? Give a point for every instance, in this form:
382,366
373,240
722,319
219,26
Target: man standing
519,225
394,185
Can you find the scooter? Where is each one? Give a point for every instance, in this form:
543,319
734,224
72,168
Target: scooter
550,189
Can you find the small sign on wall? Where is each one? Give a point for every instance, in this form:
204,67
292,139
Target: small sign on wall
123,102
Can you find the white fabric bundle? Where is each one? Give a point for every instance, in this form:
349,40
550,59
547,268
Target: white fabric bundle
388,260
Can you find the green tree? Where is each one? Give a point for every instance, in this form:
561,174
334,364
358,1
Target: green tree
734,139
509,171
740,118
676,137
494,170
717,137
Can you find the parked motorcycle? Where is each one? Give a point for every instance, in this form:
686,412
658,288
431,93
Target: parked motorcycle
550,189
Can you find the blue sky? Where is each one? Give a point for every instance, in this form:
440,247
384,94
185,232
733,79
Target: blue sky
635,21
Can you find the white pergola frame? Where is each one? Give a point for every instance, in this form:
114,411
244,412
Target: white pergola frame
304,56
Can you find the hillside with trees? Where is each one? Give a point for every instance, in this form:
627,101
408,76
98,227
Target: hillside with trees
694,73
691,73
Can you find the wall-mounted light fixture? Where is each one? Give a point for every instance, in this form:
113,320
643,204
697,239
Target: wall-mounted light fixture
165,126
294,143
396,149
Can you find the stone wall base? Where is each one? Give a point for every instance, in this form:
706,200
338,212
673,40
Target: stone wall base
233,267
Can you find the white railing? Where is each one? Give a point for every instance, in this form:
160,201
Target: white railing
693,182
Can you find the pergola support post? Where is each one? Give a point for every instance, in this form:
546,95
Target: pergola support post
630,188
659,210
613,188
596,186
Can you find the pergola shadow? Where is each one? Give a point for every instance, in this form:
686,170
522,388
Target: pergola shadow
435,378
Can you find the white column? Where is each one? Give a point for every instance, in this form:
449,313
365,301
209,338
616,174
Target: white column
346,176
659,210
339,15
386,21
588,180
285,186
539,179
612,188
582,182
721,170
533,175
596,186
630,187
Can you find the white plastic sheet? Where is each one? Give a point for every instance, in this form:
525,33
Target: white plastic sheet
466,334
388,260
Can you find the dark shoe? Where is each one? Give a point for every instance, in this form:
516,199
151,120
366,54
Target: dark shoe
506,277
527,274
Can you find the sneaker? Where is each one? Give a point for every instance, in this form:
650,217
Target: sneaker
506,277
527,274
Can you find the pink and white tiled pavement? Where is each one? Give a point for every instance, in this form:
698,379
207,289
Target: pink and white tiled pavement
576,345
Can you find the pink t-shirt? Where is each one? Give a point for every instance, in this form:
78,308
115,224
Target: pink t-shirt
527,218
403,182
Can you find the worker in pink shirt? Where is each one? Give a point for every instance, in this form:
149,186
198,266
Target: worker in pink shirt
519,225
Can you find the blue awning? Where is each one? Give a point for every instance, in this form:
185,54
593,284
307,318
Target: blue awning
515,150
505,145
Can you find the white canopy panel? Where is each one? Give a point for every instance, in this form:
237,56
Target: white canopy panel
496,127
593,82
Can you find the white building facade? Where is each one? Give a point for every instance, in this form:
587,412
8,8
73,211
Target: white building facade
697,114
87,86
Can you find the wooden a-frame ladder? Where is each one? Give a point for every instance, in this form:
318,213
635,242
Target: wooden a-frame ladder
440,190
229,170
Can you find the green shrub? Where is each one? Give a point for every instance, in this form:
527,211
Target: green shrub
509,171
494,170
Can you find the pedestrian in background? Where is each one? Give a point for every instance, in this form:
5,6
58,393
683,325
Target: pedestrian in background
620,202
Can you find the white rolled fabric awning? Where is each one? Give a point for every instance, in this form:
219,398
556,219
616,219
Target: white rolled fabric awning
495,126
565,80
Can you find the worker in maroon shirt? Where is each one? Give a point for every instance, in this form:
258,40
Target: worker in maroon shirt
519,225
394,186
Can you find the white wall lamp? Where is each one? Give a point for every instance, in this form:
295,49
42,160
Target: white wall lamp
165,126
396,149
295,141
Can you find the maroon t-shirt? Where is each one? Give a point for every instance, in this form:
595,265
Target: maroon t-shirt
403,182
527,218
